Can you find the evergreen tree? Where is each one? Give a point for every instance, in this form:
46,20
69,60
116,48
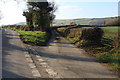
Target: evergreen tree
41,14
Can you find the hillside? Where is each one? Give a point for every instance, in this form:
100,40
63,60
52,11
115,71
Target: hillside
20,23
85,21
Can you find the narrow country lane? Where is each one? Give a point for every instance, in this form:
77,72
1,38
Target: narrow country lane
59,59
13,59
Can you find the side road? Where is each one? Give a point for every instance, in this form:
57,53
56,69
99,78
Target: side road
67,61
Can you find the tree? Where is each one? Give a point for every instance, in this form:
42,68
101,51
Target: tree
42,14
28,14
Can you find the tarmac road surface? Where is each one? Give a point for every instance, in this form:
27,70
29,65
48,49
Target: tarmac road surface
59,59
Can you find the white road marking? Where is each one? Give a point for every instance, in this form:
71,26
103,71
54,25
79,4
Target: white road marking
29,60
51,72
40,60
32,65
38,56
26,52
43,64
27,56
36,73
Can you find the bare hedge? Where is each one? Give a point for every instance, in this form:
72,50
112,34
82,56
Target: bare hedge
92,35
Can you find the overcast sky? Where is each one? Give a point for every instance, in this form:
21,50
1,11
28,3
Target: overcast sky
67,9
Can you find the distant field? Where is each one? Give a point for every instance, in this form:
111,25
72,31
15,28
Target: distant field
87,21
110,32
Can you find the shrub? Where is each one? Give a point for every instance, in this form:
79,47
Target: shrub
93,35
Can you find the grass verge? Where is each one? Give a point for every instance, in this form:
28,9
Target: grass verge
34,37
111,59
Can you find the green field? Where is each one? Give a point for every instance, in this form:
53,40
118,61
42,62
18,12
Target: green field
111,32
